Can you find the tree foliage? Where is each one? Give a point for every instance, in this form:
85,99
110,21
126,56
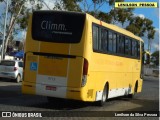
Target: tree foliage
141,26
68,5
16,18
155,58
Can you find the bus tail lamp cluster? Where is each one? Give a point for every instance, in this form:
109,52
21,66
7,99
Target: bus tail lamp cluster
85,72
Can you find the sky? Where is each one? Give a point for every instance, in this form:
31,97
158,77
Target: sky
150,13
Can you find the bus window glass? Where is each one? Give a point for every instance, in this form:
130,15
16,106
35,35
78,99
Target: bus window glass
114,42
134,48
95,37
104,40
138,52
110,41
120,44
127,46
59,27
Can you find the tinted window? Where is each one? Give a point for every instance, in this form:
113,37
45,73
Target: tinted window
8,63
114,42
95,37
104,39
120,44
54,26
20,64
110,41
127,46
138,52
134,48
142,47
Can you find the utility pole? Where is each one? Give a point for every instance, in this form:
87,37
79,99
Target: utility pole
4,32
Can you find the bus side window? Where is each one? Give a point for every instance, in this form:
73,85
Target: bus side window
110,41
134,48
120,44
104,40
127,46
142,52
114,42
138,52
95,36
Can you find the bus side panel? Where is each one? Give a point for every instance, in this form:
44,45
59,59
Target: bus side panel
75,90
136,75
30,73
28,88
30,44
75,72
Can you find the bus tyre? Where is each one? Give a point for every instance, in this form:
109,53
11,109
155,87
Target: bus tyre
104,96
18,79
133,94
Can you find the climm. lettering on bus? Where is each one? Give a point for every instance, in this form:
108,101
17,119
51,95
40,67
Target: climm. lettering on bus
48,25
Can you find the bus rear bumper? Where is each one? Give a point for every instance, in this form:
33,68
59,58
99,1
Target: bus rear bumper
55,91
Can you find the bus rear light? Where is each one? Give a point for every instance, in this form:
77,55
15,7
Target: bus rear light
85,67
85,72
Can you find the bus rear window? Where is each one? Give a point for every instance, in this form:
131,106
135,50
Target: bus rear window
59,27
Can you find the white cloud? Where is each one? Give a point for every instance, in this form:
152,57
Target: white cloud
140,15
47,4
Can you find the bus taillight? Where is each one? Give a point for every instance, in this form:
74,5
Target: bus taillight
85,67
85,72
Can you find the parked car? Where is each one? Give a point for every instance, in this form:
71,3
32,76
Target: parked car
12,69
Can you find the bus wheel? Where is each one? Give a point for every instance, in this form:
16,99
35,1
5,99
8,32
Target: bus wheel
104,96
135,90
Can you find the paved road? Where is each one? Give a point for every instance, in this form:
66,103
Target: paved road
11,99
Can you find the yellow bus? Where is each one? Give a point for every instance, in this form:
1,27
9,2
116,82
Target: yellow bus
76,56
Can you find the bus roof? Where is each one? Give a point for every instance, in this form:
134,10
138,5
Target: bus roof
116,28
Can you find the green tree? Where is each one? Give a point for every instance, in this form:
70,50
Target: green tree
120,15
17,18
155,58
142,27
136,26
150,32
68,5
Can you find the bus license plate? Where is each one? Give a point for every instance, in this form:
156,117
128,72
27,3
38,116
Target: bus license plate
51,88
